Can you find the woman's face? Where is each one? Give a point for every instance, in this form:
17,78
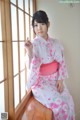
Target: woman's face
40,29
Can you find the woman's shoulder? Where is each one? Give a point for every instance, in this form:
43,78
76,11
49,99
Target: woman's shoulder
35,41
57,43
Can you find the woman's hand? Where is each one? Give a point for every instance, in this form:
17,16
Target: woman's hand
60,85
28,46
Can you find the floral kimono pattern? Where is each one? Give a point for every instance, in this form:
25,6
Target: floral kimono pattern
44,87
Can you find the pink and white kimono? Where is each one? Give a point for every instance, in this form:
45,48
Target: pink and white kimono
44,86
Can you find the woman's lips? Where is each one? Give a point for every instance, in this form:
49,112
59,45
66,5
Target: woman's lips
40,32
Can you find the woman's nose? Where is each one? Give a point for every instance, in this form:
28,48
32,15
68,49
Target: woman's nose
39,27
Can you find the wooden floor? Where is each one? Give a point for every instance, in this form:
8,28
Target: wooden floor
35,111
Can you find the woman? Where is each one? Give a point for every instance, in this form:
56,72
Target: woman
47,70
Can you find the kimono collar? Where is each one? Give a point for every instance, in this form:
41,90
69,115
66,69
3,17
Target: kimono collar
42,39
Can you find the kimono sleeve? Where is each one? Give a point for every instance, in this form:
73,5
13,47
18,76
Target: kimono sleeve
62,72
34,68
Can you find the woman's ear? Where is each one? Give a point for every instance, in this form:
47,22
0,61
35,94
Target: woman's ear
48,24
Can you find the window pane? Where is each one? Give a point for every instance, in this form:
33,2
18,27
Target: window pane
16,91
26,6
22,84
2,103
27,26
20,4
22,58
13,1
15,57
14,22
31,7
1,63
21,25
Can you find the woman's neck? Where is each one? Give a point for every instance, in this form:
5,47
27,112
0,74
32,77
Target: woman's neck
45,37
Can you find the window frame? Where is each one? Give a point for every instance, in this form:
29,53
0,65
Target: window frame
8,58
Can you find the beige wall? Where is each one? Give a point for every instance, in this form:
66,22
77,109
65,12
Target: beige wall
65,25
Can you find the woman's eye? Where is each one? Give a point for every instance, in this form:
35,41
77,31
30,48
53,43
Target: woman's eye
35,25
43,23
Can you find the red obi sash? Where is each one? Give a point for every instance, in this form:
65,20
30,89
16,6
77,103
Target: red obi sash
49,68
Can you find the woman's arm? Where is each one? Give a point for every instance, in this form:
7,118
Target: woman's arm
33,63
62,72
29,53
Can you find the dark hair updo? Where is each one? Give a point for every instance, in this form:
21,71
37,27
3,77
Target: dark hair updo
40,17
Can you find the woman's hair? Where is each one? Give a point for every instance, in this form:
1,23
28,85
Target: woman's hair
40,17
